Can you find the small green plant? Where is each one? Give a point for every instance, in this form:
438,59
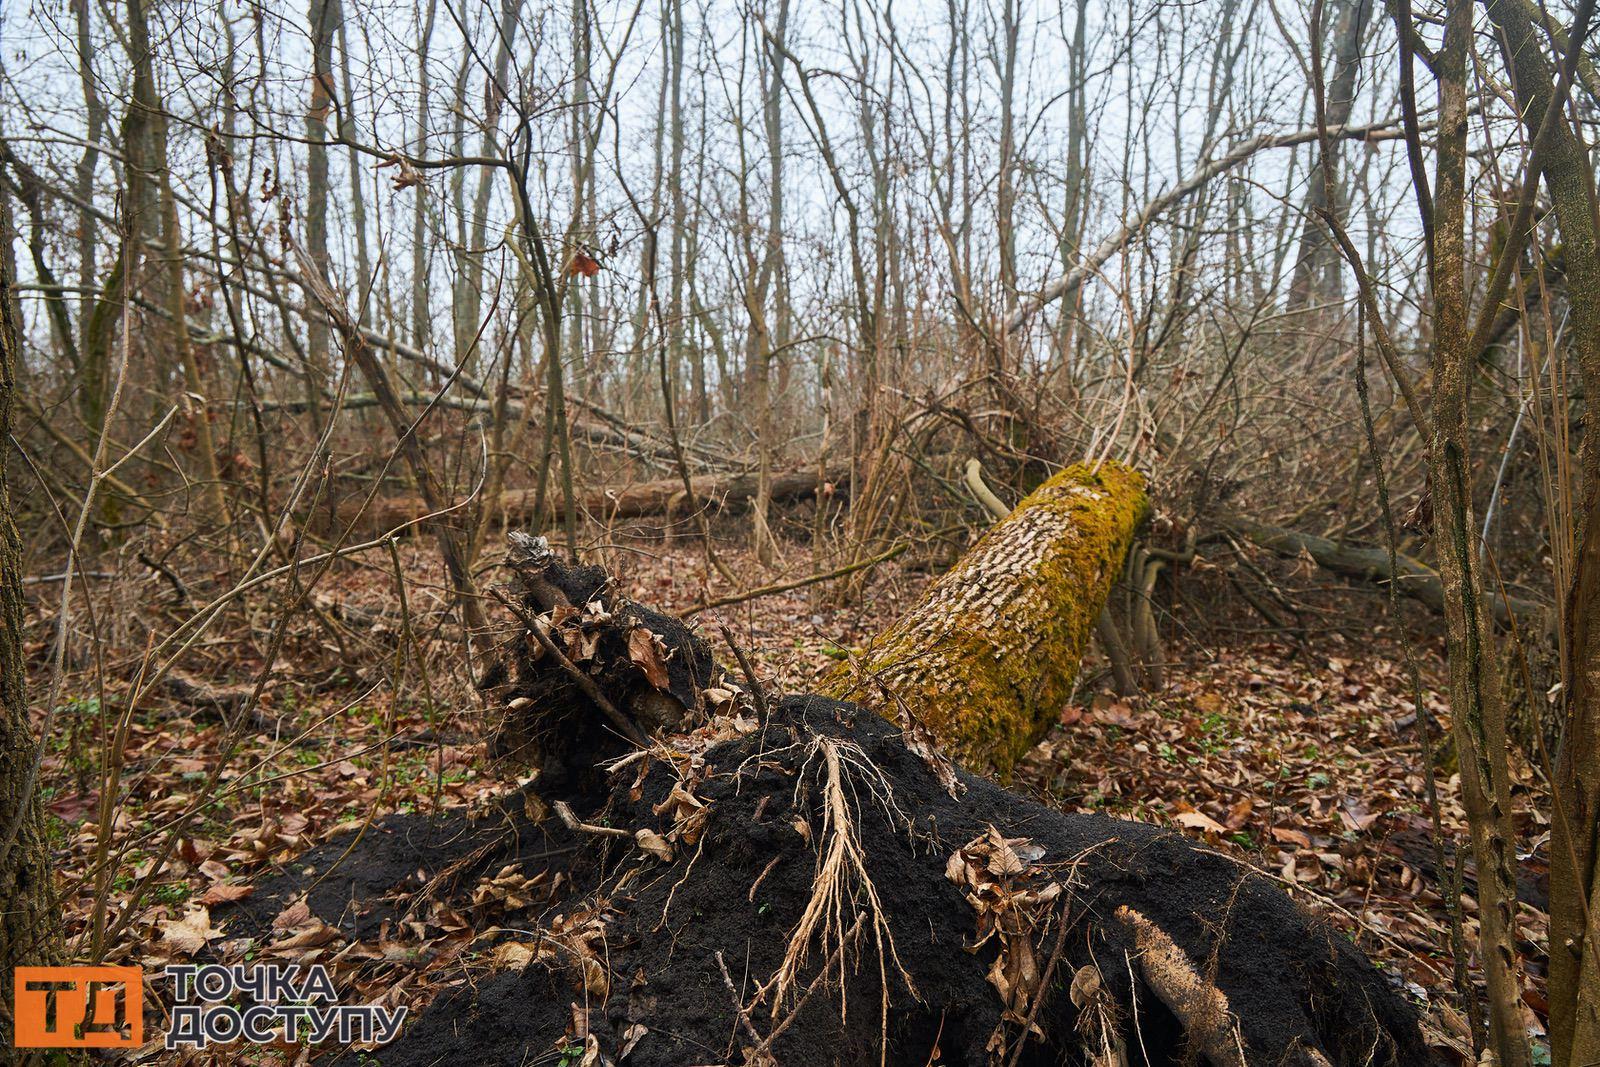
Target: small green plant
172,893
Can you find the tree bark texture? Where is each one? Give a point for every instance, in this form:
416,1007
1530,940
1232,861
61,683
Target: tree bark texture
28,929
987,658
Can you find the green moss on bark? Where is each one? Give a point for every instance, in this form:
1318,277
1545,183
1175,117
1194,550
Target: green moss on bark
987,658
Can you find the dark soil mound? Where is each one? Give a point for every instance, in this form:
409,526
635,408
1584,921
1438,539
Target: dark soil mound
650,992
357,881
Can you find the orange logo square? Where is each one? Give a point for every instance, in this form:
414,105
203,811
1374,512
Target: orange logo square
79,1007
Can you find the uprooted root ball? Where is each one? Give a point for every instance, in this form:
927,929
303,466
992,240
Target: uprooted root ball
588,673
932,930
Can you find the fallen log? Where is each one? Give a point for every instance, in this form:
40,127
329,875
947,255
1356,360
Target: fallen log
640,500
819,886
1410,576
987,658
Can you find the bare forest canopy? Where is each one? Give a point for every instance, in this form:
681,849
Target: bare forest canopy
1175,410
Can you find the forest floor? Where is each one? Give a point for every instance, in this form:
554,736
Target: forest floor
1301,759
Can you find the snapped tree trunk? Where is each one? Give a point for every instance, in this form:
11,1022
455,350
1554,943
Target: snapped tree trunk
987,658
818,849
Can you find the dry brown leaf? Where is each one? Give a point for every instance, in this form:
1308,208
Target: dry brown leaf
295,914
513,956
313,935
1085,985
654,844
189,934
1289,836
631,1037
649,655
1199,820
1239,813
222,892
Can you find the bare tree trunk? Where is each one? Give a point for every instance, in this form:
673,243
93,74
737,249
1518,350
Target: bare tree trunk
471,283
146,99
1575,826
358,199
29,931
83,187
323,18
421,324
1475,692
679,204
1006,191
1317,270
763,337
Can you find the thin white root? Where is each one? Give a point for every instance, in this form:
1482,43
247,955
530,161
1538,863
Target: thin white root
1098,1022
842,888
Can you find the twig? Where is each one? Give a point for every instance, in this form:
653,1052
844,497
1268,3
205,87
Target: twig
738,1004
576,825
799,583
773,862
749,672
1044,982
180,591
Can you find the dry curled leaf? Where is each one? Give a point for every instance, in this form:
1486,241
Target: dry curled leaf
513,955
583,264
189,934
654,844
648,653
222,892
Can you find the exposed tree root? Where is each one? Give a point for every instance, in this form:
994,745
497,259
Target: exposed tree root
1201,1007
828,861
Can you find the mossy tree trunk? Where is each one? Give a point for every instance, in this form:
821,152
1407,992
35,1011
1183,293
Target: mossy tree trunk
987,658
27,921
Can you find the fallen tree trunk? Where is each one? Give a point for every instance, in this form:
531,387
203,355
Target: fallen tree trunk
642,499
805,884
1411,576
987,658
